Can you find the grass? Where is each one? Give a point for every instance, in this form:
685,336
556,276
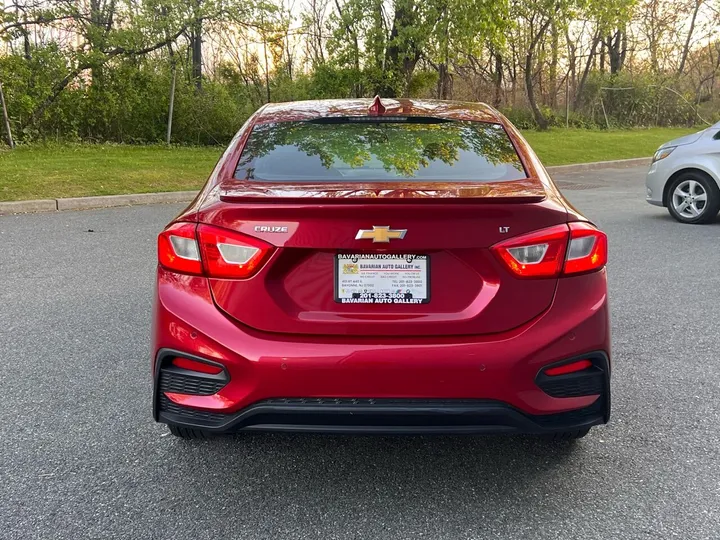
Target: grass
55,171
49,172
566,146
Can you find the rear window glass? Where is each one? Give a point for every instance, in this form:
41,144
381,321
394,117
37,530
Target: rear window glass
360,150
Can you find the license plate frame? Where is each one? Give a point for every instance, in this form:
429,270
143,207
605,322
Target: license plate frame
413,295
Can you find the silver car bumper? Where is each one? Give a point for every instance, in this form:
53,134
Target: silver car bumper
655,184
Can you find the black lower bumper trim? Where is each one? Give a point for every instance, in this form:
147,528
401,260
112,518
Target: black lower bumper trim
386,416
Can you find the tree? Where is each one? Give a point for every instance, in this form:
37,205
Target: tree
314,23
103,69
402,34
108,30
196,41
539,16
688,39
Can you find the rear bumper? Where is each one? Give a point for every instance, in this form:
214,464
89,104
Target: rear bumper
456,384
386,416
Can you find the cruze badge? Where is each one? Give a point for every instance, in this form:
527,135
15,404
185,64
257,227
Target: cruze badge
380,234
270,229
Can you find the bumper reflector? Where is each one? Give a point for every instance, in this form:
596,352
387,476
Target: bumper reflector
194,365
572,367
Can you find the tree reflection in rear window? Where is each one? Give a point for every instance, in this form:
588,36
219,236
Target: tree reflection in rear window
343,150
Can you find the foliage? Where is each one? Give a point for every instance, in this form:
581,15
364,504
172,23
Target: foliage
102,70
639,101
435,31
126,102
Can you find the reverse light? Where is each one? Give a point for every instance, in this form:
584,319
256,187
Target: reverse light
230,255
588,249
572,367
560,250
195,365
178,249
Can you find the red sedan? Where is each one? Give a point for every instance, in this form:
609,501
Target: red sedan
381,266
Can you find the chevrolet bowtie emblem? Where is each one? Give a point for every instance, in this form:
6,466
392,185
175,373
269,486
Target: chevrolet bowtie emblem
380,234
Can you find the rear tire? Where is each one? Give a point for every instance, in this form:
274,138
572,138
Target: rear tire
188,433
568,435
692,191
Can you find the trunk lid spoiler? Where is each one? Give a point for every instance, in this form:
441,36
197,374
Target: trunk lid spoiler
527,190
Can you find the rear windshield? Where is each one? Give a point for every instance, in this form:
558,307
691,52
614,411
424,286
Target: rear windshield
363,150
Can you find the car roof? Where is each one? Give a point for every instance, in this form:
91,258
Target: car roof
307,110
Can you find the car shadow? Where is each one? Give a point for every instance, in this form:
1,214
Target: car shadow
292,470
667,218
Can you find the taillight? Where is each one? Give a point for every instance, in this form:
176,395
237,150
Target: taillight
211,251
537,254
178,250
587,250
227,254
561,249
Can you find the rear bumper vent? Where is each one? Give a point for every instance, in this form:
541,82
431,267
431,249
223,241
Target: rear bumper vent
588,382
182,382
575,385
187,378
175,413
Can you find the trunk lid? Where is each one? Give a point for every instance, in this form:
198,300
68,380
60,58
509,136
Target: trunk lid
470,291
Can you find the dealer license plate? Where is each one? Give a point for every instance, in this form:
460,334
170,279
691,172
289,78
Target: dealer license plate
381,278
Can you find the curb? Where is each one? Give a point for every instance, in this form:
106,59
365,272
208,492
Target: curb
107,201
103,201
21,207
597,165
168,197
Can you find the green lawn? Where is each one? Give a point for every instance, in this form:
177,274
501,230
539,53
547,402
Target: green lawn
566,146
48,172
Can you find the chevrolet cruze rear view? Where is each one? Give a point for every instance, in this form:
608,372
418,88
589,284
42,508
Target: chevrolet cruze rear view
381,266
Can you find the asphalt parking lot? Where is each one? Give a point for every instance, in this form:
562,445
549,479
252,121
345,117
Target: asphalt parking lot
81,457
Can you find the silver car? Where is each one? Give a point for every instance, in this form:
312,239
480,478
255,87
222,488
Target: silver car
685,175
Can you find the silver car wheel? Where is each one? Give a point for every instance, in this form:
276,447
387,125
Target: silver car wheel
689,199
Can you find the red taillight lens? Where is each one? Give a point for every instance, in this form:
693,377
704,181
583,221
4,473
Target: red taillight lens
231,255
195,365
214,252
572,367
537,254
178,250
568,249
587,250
